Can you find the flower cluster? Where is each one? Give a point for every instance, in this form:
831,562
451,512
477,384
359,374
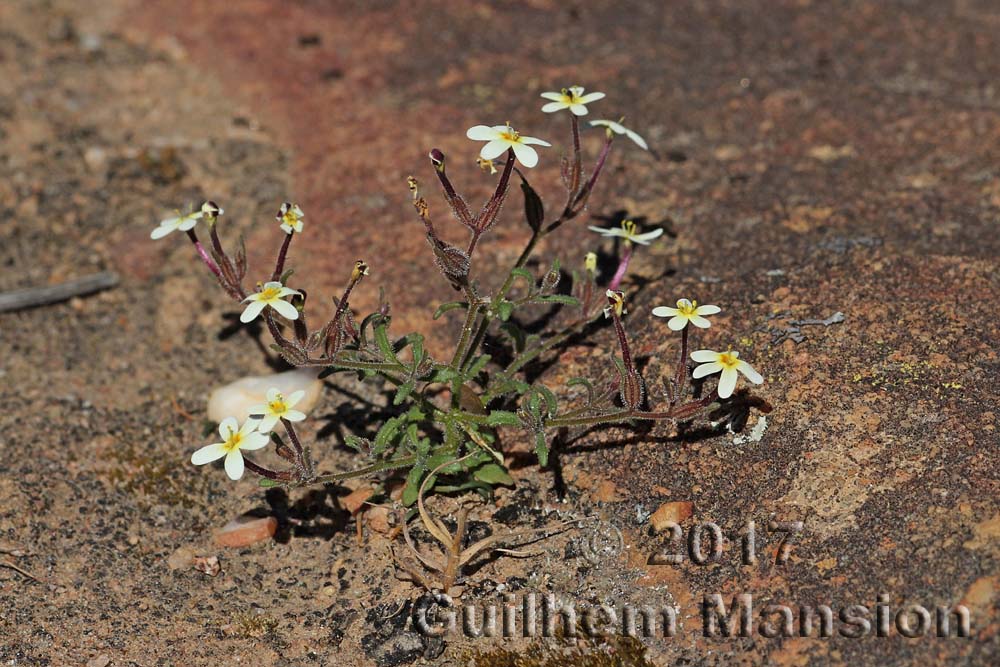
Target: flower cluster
457,404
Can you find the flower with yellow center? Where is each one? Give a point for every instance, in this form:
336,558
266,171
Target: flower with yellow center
628,232
270,294
234,439
290,216
731,366
571,98
179,222
616,303
501,137
611,127
278,407
686,311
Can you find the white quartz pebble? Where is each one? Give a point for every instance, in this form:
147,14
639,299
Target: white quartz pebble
236,399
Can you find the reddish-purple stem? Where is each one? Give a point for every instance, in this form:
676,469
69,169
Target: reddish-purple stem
205,257
622,267
279,265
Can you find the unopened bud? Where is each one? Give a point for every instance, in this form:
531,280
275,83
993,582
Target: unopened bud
212,211
590,263
437,159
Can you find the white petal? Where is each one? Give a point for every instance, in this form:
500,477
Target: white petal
162,231
602,231
188,223
591,97
208,454
254,441
600,123
534,141
251,312
234,464
272,394
576,91
727,382
481,133
578,109
677,322
293,398
273,284
294,415
648,236
285,309
558,97
526,155
708,310
706,369
228,426
552,107
665,311
285,291
494,149
639,141
287,228
268,423
749,372
704,356
249,426
700,322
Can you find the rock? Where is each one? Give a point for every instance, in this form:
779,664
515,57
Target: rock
181,558
355,500
246,530
96,159
100,661
236,399
674,512
378,519
207,564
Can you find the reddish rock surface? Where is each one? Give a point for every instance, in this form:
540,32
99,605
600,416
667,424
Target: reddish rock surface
811,158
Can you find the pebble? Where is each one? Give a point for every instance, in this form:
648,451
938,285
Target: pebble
181,558
666,513
246,530
236,399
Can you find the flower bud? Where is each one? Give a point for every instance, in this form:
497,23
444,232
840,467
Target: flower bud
360,269
590,263
437,159
212,211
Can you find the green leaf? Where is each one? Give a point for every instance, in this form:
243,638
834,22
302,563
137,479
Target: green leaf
505,309
443,375
516,335
478,365
502,418
382,340
564,299
386,434
413,480
541,449
521,272
493,474
584,382
361,445
266,483
403,392
451,305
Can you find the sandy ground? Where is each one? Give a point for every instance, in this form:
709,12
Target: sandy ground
810,158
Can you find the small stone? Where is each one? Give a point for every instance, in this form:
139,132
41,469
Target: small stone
181,559
246,530
96,159
236,399
606,492
355,500
666,513
378,519
207,564
100,661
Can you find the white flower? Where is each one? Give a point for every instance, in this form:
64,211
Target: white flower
290,216
501,137
727,362
234,439
618,128
277,408
571,98
627,232
181,222
211,211
686,311
270,294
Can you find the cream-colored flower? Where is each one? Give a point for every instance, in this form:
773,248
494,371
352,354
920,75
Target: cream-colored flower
590,262
270,294
234,439
628,232
211,211
290,216
571,98
616,303
617,128
501,137
278,407
179,222
731,366
686,311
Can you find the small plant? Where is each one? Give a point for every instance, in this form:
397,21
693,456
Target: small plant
449,410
